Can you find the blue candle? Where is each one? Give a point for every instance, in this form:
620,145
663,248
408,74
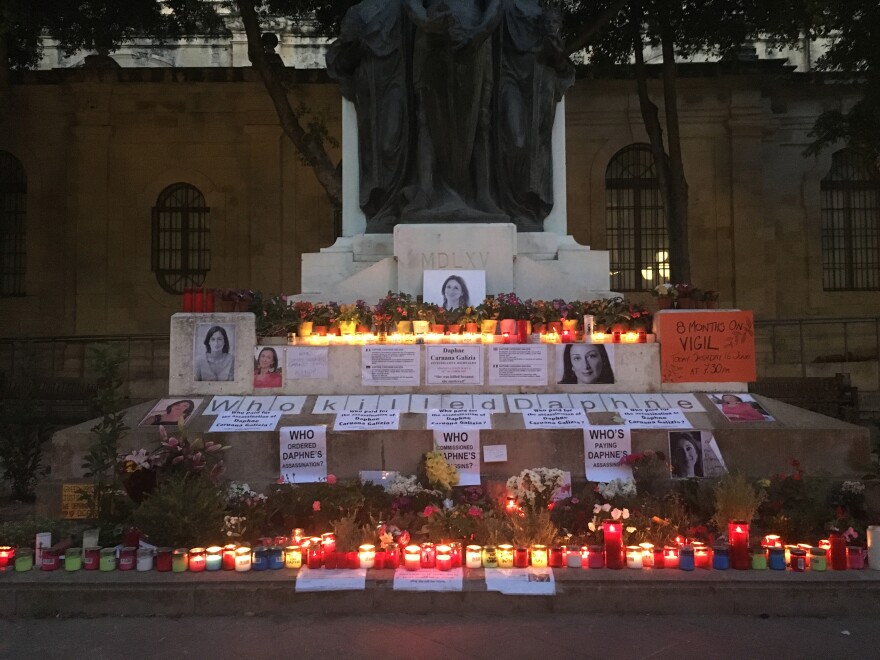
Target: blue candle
686,558
260,559
776,560
721,558
276,557
214,559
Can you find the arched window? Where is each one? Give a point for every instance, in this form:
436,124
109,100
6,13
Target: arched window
851,223
635,223
181,251
13,192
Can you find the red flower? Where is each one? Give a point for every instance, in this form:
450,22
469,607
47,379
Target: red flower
331,479
316,505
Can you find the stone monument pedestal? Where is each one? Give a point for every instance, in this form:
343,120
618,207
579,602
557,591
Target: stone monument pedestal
534,265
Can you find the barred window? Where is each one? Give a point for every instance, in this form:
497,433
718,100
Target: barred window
635,222
181,251
851,223
13,192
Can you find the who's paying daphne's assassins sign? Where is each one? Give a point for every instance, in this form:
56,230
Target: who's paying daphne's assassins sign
303,454
604,448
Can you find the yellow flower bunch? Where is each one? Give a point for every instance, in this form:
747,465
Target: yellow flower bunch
439,473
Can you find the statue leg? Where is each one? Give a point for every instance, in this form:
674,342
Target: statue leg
481,160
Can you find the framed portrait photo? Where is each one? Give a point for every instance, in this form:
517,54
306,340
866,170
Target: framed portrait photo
451,289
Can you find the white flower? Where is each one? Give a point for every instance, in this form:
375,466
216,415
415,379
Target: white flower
625,514
592,526
596,508
615,514
606,507
630,530
448,504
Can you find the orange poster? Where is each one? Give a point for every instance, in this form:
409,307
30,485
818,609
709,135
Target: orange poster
706,347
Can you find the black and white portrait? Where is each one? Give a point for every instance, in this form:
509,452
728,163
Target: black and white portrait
214,352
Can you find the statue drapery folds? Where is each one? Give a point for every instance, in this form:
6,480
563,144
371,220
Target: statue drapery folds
455,102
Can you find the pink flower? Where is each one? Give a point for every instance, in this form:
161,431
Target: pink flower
331,479
475,511
316,505
429,511
279,480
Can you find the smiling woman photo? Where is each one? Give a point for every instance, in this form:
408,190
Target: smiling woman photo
217,362
455,293
686,451
586,364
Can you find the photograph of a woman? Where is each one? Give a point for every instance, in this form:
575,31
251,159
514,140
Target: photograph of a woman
584,364
170,412
455,293
686,450
267,372
741,408
214,354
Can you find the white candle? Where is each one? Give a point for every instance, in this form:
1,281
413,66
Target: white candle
874,547
633,557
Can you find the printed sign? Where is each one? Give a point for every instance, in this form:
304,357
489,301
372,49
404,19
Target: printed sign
245,421
520,582
518,364
307,362
648,418
447,419
303,454
428,579
707,347
604,448
390,365
309,579
494,453
366,420
74,505
454,365
569,418
461,448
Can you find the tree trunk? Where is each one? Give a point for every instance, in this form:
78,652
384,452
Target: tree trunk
677,217
309,146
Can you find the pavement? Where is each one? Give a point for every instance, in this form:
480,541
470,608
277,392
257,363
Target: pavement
597,592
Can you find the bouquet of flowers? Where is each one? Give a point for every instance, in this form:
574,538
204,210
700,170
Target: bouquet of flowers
393,308
534,488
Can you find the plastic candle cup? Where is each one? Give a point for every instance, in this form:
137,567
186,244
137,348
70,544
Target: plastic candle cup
444,558
198,560
24,560
328,542
702,556
293,556
647,555
776,558
686,561
276,558
634,557
412,557
557,557
314,556
659,558
50,560
73,559
772,541
331,560
759,559
670,556
872,534
7,557
179,560
613,535
127,558
721,558
473,556
367,555
818,559
855,557
490,557
838,552
738,535
260,558
505,555
428,555
144,559
798,560
228,557
539,556
242,559
455,548
107,561
163,559
213,558
392,556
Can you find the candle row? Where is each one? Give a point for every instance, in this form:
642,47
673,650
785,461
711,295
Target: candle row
564,337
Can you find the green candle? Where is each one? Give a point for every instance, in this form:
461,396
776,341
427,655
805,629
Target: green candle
24,560
759,561
179,560
73,559
108,559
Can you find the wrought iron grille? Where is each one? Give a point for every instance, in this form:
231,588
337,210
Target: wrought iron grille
181,250
13,194
635,222
851,223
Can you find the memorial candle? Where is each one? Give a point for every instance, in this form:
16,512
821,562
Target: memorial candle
314,555
738,536
428,555
596,557
873,536
776,558
24,560
686,560
179,560
328,542
702,555
367,555
293,556
50,560
613,535
242,559
818,559
573,557
392,556
759,559
163,559
228,560
557,557
473,556
412,557
276,558
198,560
838,552
490,557
539,556
444,558
73,559
145,559
505,555
213,558
670,556
855,557
7,555
127,558
634,556
107,560
647,554
455,548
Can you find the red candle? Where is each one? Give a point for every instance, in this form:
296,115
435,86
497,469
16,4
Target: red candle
443,558
163,559
428,555
702,555
353,560
838,552
670,556
455,547
566,337
331,560
615,337
7,554
198,560
521,558
127,558
613,534
506,338
50,560
392,556
738,536
92,559
379,560
557,557
595,557
659,558
228,557
315,556
328,541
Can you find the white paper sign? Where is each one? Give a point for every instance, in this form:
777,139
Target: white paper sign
572,418
604,447
323,579
494,453
461,448
245,421
428,579
454,365
521,582
521,364
360,420
307,362
647,418
303,454
221,404
448,419
390,365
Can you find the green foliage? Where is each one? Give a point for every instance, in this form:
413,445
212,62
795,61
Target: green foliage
493,528
735,499
99,462
531,527
23,432
315,507
273,317
182,511
21,533
796,506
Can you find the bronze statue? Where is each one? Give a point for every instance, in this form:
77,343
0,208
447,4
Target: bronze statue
455,103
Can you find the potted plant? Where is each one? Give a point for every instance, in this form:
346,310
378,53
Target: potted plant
302,314
665,293
426,318
396,309
684,292
488,312
510,310
321,316
711,298
469,318
348,318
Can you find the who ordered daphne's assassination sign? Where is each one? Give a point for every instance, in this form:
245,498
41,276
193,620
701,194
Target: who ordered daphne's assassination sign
303,454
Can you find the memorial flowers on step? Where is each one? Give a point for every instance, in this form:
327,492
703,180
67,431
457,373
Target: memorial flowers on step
533,488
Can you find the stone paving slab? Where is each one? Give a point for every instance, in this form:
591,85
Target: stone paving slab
42,594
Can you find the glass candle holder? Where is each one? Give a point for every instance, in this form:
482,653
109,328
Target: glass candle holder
490,556
7,557
412,557
855,557
73,559
647,554
127,558
50,560
328,542
293,556
776,558
596,556
613,535
228,557
429,555
556,557
179,560
198,560
242,559
573,557
314,556
260,558
505,555
759,559
276,558
521,557
473,556
634,557
367,555
686,558
392,556
818,559
24,560
213,558
798,560
670,556
144,559
443,558
539,556
332,560
721,558
107,560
